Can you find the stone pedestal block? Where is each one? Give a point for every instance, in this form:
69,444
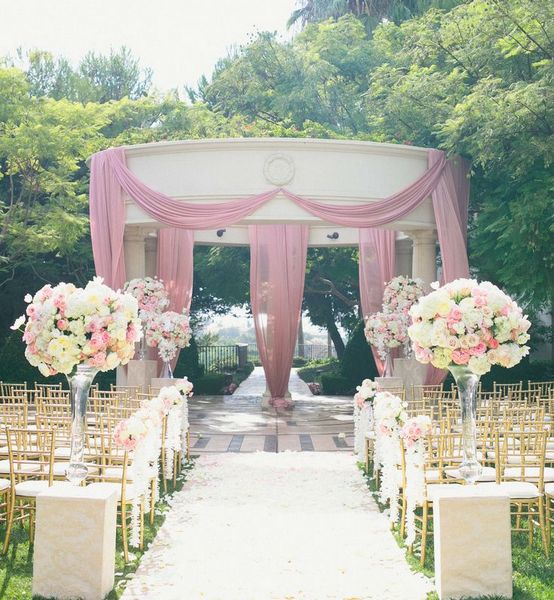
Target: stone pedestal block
388,383
411,371
74,553
140,373
473,549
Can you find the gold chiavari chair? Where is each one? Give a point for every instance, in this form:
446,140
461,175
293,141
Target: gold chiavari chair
113,472
11,389
420,391
540,388
549,510
503,389
31,456
520,475
128,390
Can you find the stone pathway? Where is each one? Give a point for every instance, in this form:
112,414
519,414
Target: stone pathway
239,423
267,526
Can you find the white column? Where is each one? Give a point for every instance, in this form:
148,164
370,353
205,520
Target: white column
424,261
151,255
403,249
135,255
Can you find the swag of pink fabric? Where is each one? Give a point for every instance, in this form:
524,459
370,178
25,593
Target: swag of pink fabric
445,181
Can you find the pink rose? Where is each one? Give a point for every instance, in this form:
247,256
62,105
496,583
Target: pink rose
493,343
505,310
455,315
460,356
481,348
62,324
98,360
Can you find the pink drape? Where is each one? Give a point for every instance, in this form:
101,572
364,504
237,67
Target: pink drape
175,269
376,267
277,270
107,222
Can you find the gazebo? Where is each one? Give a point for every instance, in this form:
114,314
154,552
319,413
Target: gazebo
150,203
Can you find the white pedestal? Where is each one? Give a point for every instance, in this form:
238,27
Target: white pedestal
473,547
74,553
160,382
410,370
141,372
388,383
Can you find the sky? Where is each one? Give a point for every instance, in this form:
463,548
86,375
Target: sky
180,40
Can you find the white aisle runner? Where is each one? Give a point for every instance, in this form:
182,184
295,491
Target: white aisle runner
266,526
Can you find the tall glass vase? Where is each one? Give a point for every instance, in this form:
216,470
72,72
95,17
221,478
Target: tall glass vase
167,371
142,349
79,385
468,383
388,364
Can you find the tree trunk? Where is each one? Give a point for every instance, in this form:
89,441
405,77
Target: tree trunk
300,341
335,336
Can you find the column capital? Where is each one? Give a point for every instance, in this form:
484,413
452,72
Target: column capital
423,236
134,234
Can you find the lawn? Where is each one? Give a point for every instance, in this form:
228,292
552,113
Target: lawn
16,568
533,573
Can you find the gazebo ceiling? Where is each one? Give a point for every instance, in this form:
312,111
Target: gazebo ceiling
333,171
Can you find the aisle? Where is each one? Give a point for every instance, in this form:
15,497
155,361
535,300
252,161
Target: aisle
267,526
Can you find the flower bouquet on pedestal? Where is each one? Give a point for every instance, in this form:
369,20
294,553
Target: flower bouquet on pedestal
79,332
168,332
466,327
363,414
152,298
386,331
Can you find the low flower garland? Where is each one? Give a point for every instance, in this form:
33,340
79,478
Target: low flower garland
185,387
363,414
414,433
140,435
385,331
390,415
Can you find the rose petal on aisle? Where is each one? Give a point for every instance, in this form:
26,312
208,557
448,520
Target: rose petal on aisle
270,526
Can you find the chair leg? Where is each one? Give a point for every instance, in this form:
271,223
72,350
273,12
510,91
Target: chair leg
542,526
124,533
9,525
530,525
548,521
424,525
31,528
141,542
152,503
176,463
403,516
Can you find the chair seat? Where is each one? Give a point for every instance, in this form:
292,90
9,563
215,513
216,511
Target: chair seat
370,435
437,487
129,489
488,474
530,473
516,490
4,485
549,489
25,467
33,487
432,476
62,452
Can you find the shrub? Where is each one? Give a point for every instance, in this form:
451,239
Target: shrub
315,368
299,361
357,362
336,384
210,384
188,364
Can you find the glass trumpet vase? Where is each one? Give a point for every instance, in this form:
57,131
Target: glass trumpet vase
143,348
388,365
79,381
468,383
167,371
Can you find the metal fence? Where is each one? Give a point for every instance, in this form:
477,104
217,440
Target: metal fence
221,359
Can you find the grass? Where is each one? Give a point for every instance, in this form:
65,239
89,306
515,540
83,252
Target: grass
533,573
16,567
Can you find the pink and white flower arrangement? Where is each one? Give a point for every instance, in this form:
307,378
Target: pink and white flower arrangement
365,392
386,331
129,433
66,326
170,396
390,412
185,387
151,295
415,429
168,332
468,323
401,293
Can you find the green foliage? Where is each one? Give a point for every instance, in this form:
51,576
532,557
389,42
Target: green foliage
357,363
188,364
210,384
335,384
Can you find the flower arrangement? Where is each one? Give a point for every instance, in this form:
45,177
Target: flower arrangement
66,326
185,387
385,331
365,392
401,293
414,433
363,414
151,295
129,433
468,323
390,415
168,332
